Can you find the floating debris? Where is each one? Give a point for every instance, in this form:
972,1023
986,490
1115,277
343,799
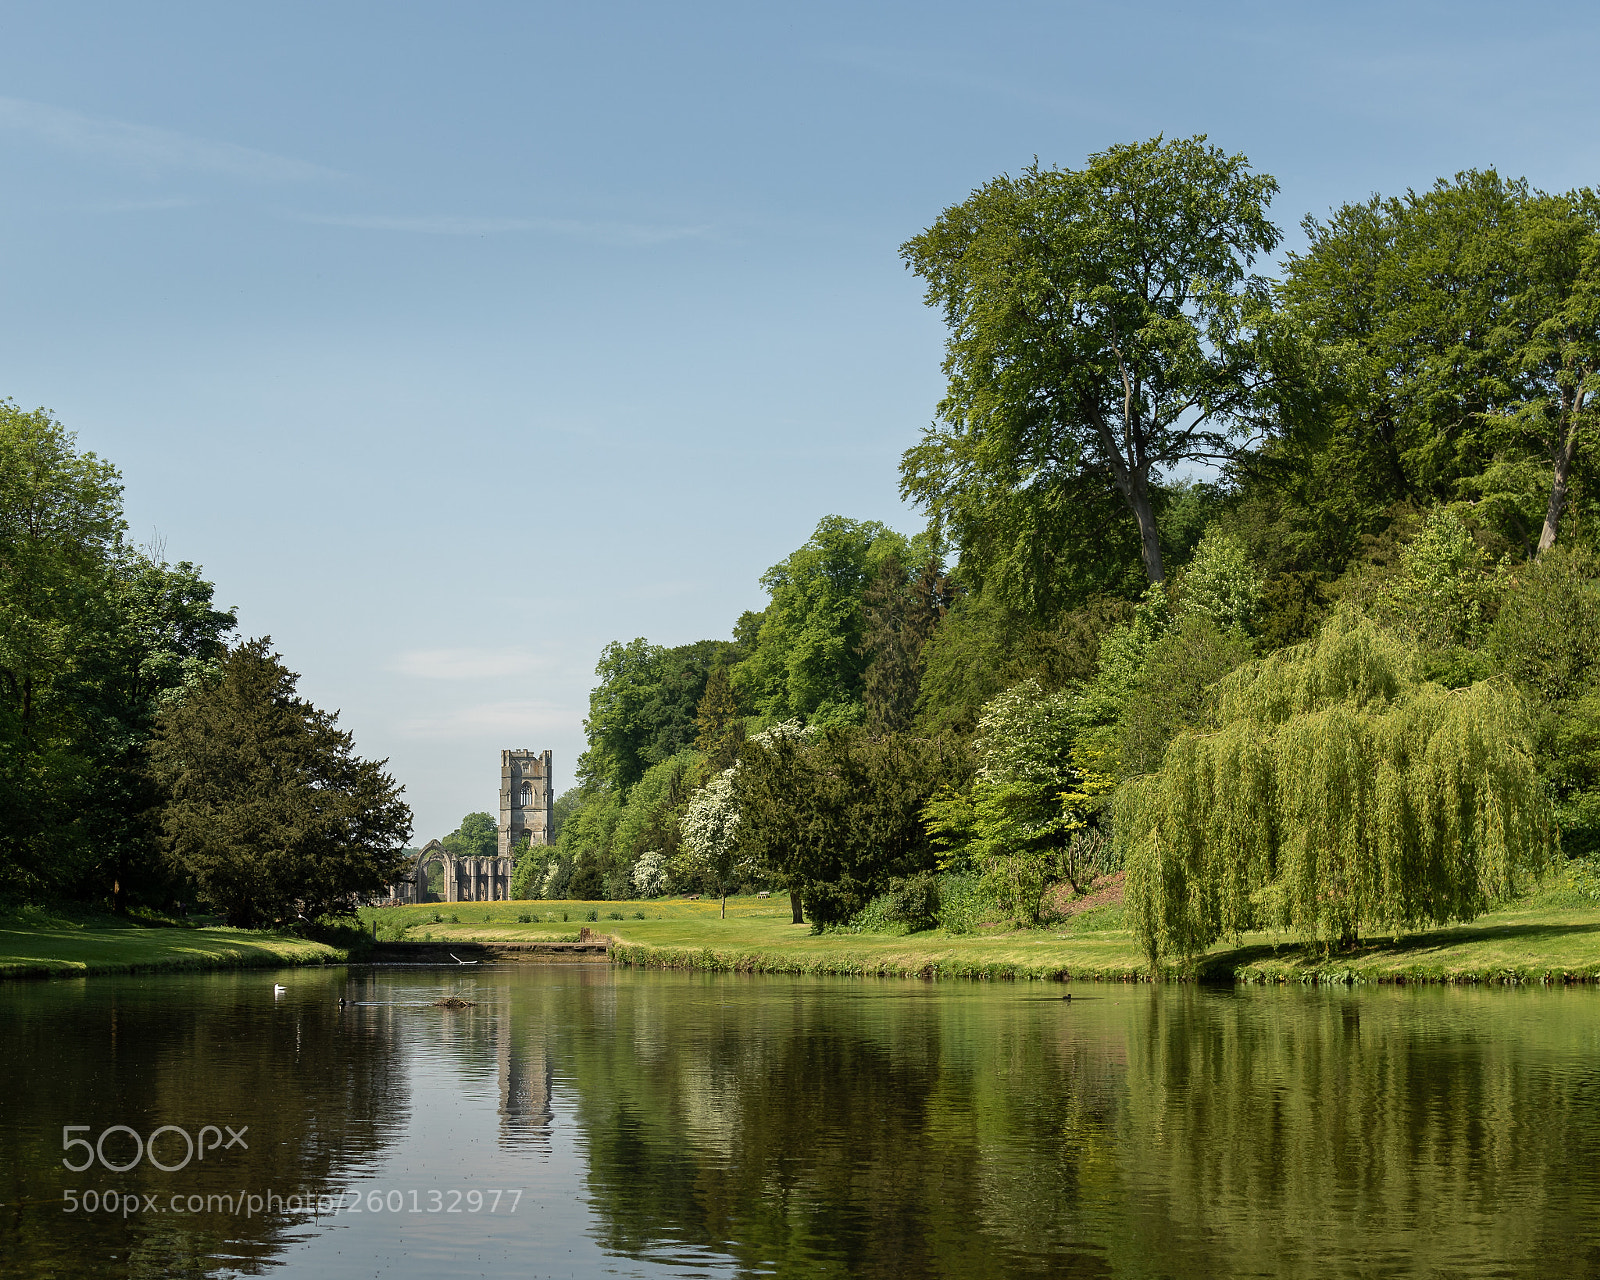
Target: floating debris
453,1002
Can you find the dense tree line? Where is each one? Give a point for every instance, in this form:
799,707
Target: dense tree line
1372,630
145,763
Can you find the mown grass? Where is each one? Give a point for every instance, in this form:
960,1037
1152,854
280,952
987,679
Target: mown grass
1552,936
36,942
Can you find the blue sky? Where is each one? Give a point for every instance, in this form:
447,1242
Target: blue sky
457,340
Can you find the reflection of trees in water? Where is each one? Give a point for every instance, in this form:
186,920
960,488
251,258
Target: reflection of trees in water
1422,1132
878,1136
1145,1132
321,1090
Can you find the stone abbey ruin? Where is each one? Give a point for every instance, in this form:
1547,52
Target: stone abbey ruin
526,794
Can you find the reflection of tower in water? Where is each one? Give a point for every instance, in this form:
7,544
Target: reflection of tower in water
526,1075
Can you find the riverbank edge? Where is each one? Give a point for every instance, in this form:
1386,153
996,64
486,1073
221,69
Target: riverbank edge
262,953
1212,969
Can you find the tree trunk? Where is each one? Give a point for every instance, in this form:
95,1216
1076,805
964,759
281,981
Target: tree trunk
794,905
1133,483
1145,518
1558,488
724,904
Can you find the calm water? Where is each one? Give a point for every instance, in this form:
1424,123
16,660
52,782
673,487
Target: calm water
585,1121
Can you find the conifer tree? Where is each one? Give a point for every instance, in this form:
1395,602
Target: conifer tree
270,810
719,729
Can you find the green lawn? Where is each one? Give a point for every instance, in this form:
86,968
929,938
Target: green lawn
36,943
1554,935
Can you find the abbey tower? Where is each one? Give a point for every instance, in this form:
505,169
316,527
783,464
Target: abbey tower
525,799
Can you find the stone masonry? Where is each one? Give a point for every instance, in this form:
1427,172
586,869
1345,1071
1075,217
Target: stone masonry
525,799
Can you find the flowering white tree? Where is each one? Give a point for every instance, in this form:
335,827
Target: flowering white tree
650,875
710,827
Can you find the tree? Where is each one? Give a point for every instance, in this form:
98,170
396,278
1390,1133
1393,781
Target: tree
1103,330
719,729
60,529
807,661
1334,790
270,810
1463,324
643,709
710,828
838,814
478,836
900,611
1012,826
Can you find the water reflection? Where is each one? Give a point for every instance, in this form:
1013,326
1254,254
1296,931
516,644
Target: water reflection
657,1124
311,1094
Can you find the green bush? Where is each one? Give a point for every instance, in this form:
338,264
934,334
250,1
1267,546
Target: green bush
524,918
592,914
964,903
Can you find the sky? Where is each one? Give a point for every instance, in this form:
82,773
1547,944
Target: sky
457,340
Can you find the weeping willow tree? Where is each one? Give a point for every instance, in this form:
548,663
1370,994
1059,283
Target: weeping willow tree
1337,790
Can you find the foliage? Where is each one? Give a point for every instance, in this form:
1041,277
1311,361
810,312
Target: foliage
981,648
808,661
710,826
1462,323
643,710
1546,635
478,836
272,812
900,611
95,638
1103,329
719,728
650,878
1013,826
1338,790
836,814
1221,583
1173,690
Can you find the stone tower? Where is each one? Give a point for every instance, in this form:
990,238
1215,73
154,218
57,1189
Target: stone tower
525,799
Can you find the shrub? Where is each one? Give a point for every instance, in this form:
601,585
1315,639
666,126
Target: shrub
965,903
592,914
524,918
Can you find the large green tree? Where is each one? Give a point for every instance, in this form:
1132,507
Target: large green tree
95,638
1461,329
270,810
1334,790
1104,329
643,710
808,660
838,814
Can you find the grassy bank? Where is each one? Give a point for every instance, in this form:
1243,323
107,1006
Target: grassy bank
1552,936
38,943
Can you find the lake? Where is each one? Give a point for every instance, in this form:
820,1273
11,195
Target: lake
579,1120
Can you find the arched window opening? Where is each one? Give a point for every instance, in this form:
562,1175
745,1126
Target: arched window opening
527,794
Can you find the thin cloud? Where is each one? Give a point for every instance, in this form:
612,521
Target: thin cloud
146,147
619,233
467,664
524,722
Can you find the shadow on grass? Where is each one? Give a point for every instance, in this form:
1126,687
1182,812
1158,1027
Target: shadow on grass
1220,966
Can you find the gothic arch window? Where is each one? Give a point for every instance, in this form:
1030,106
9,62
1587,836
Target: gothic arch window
527,795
